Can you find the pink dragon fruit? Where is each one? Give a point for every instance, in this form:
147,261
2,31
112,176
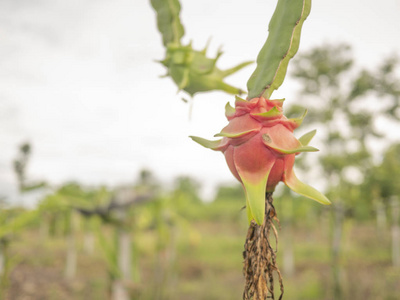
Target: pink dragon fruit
260,149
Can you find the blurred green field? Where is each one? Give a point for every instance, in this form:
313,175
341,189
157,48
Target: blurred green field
205,261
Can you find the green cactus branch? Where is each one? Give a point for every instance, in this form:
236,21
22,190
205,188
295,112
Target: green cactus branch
168,21
190,69
281,45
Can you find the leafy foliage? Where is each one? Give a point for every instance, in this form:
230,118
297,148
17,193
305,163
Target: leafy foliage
345,103
380,180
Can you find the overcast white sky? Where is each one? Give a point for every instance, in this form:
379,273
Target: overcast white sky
78,80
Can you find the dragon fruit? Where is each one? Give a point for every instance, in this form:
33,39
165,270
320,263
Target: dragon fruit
260,149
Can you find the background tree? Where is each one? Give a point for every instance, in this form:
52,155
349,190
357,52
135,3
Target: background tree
20,165
345,103
14,220
381,185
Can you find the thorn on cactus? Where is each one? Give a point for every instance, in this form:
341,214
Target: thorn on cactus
194,72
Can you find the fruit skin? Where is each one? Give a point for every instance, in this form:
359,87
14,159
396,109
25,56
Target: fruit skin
260,149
